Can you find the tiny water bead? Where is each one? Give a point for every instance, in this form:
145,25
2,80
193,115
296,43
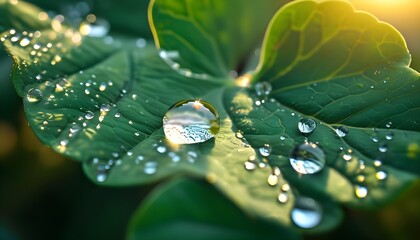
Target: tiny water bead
265,150
342,131
263,89
89,115
34,95
306,125
381,175
360,191
307,158
191,121
306,213
251,163
389,136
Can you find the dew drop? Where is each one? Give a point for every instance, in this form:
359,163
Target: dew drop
342,131
89,115
150,168
360,178
105,107
191,121
377,163
117,115
251,163
273,179
282,138
102,170
360,191
161,149
306,125
306,213
34,95
389,136
265,150
383,148
24,42
347,157
102,87
283,197
381,175
61,85
307,158
263,89
239,134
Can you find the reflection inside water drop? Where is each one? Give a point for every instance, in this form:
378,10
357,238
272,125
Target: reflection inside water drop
307,158
306,125
191,121
306,213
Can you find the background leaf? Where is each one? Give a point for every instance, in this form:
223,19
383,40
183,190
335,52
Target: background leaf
206,41
195,210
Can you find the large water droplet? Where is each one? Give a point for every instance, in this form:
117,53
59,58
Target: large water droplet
360,191
191,121
265,150
306,213
342,131
34,95
306,125
263,89
307,158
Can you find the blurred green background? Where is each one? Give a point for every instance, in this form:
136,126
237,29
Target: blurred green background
45,196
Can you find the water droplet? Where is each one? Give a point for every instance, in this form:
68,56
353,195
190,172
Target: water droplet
191,121
306,213
105,107
24,42
34,95
342,131
265,150
273,179
360,178
87,91
282,138
161,149
251,163
307,158
239,134
389,136
360,191
283,197
375,139
117,115
102,170
347,157
61,85
306,125
383,148
263,89
381,175
388,125
377,163
150,167
89,115
102,87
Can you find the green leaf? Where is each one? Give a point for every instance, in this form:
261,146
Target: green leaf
324,60
210,37
188,209
343,68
